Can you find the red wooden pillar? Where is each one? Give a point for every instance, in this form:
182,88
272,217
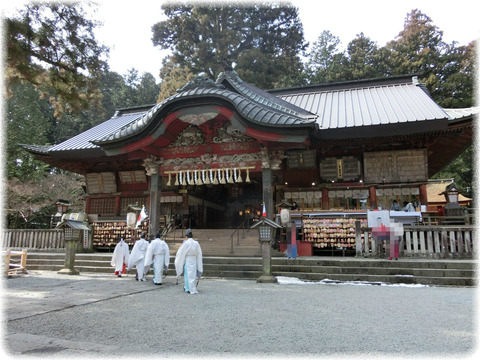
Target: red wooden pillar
325,199
117,205
372,197
423,194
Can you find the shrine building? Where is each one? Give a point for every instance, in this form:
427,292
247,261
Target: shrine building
212,154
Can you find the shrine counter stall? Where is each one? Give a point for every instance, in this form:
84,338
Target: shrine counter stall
327,232
107,233
406,218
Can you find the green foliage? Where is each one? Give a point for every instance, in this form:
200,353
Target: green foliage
325,60
174,78
447,70
28,121
32,185
461,170
251,38
52,46
365,60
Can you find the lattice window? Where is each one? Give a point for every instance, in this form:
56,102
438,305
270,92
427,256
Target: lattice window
128,177
102,206
101,183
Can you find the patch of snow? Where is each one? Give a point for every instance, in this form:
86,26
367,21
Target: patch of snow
286,280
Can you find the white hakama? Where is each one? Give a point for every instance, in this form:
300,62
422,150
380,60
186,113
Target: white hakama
158,254
120,257
137,258
189,262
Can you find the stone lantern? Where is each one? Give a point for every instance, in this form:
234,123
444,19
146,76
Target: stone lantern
132,214
62,207
266,231
72,234
452,208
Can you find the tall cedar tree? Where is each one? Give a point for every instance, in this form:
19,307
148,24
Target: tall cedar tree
52,46
262,42
447,70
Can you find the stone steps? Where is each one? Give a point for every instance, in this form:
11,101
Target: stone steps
218,242
420,271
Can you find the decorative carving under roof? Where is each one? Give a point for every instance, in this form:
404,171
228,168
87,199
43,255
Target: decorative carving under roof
152,164
272,159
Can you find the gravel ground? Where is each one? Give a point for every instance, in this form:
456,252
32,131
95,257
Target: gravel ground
100,315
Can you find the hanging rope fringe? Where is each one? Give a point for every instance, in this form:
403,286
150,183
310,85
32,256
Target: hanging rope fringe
206,179
208,176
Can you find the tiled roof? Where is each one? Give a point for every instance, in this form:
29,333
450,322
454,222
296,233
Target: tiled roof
84,140
350,105
252,103
456,114
263,97
366,105
37,149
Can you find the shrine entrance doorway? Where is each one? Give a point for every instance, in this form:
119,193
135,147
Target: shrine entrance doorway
219,206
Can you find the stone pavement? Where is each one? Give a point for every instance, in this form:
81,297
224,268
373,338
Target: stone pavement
100,315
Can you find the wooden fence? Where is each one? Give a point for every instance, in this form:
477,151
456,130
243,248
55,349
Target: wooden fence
417,241
428,241
439,241
37,239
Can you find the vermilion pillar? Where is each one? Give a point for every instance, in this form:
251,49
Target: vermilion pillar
423,194
372,197
325,199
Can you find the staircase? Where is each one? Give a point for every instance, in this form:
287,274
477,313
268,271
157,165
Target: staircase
218,242
412,271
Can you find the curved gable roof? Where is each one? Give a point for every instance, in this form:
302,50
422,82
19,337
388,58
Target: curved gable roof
254,105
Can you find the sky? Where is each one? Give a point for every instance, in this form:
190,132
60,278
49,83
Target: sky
127,25
127,29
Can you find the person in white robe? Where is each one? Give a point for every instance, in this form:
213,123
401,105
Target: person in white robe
120,257
158,254
137,258
189,262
